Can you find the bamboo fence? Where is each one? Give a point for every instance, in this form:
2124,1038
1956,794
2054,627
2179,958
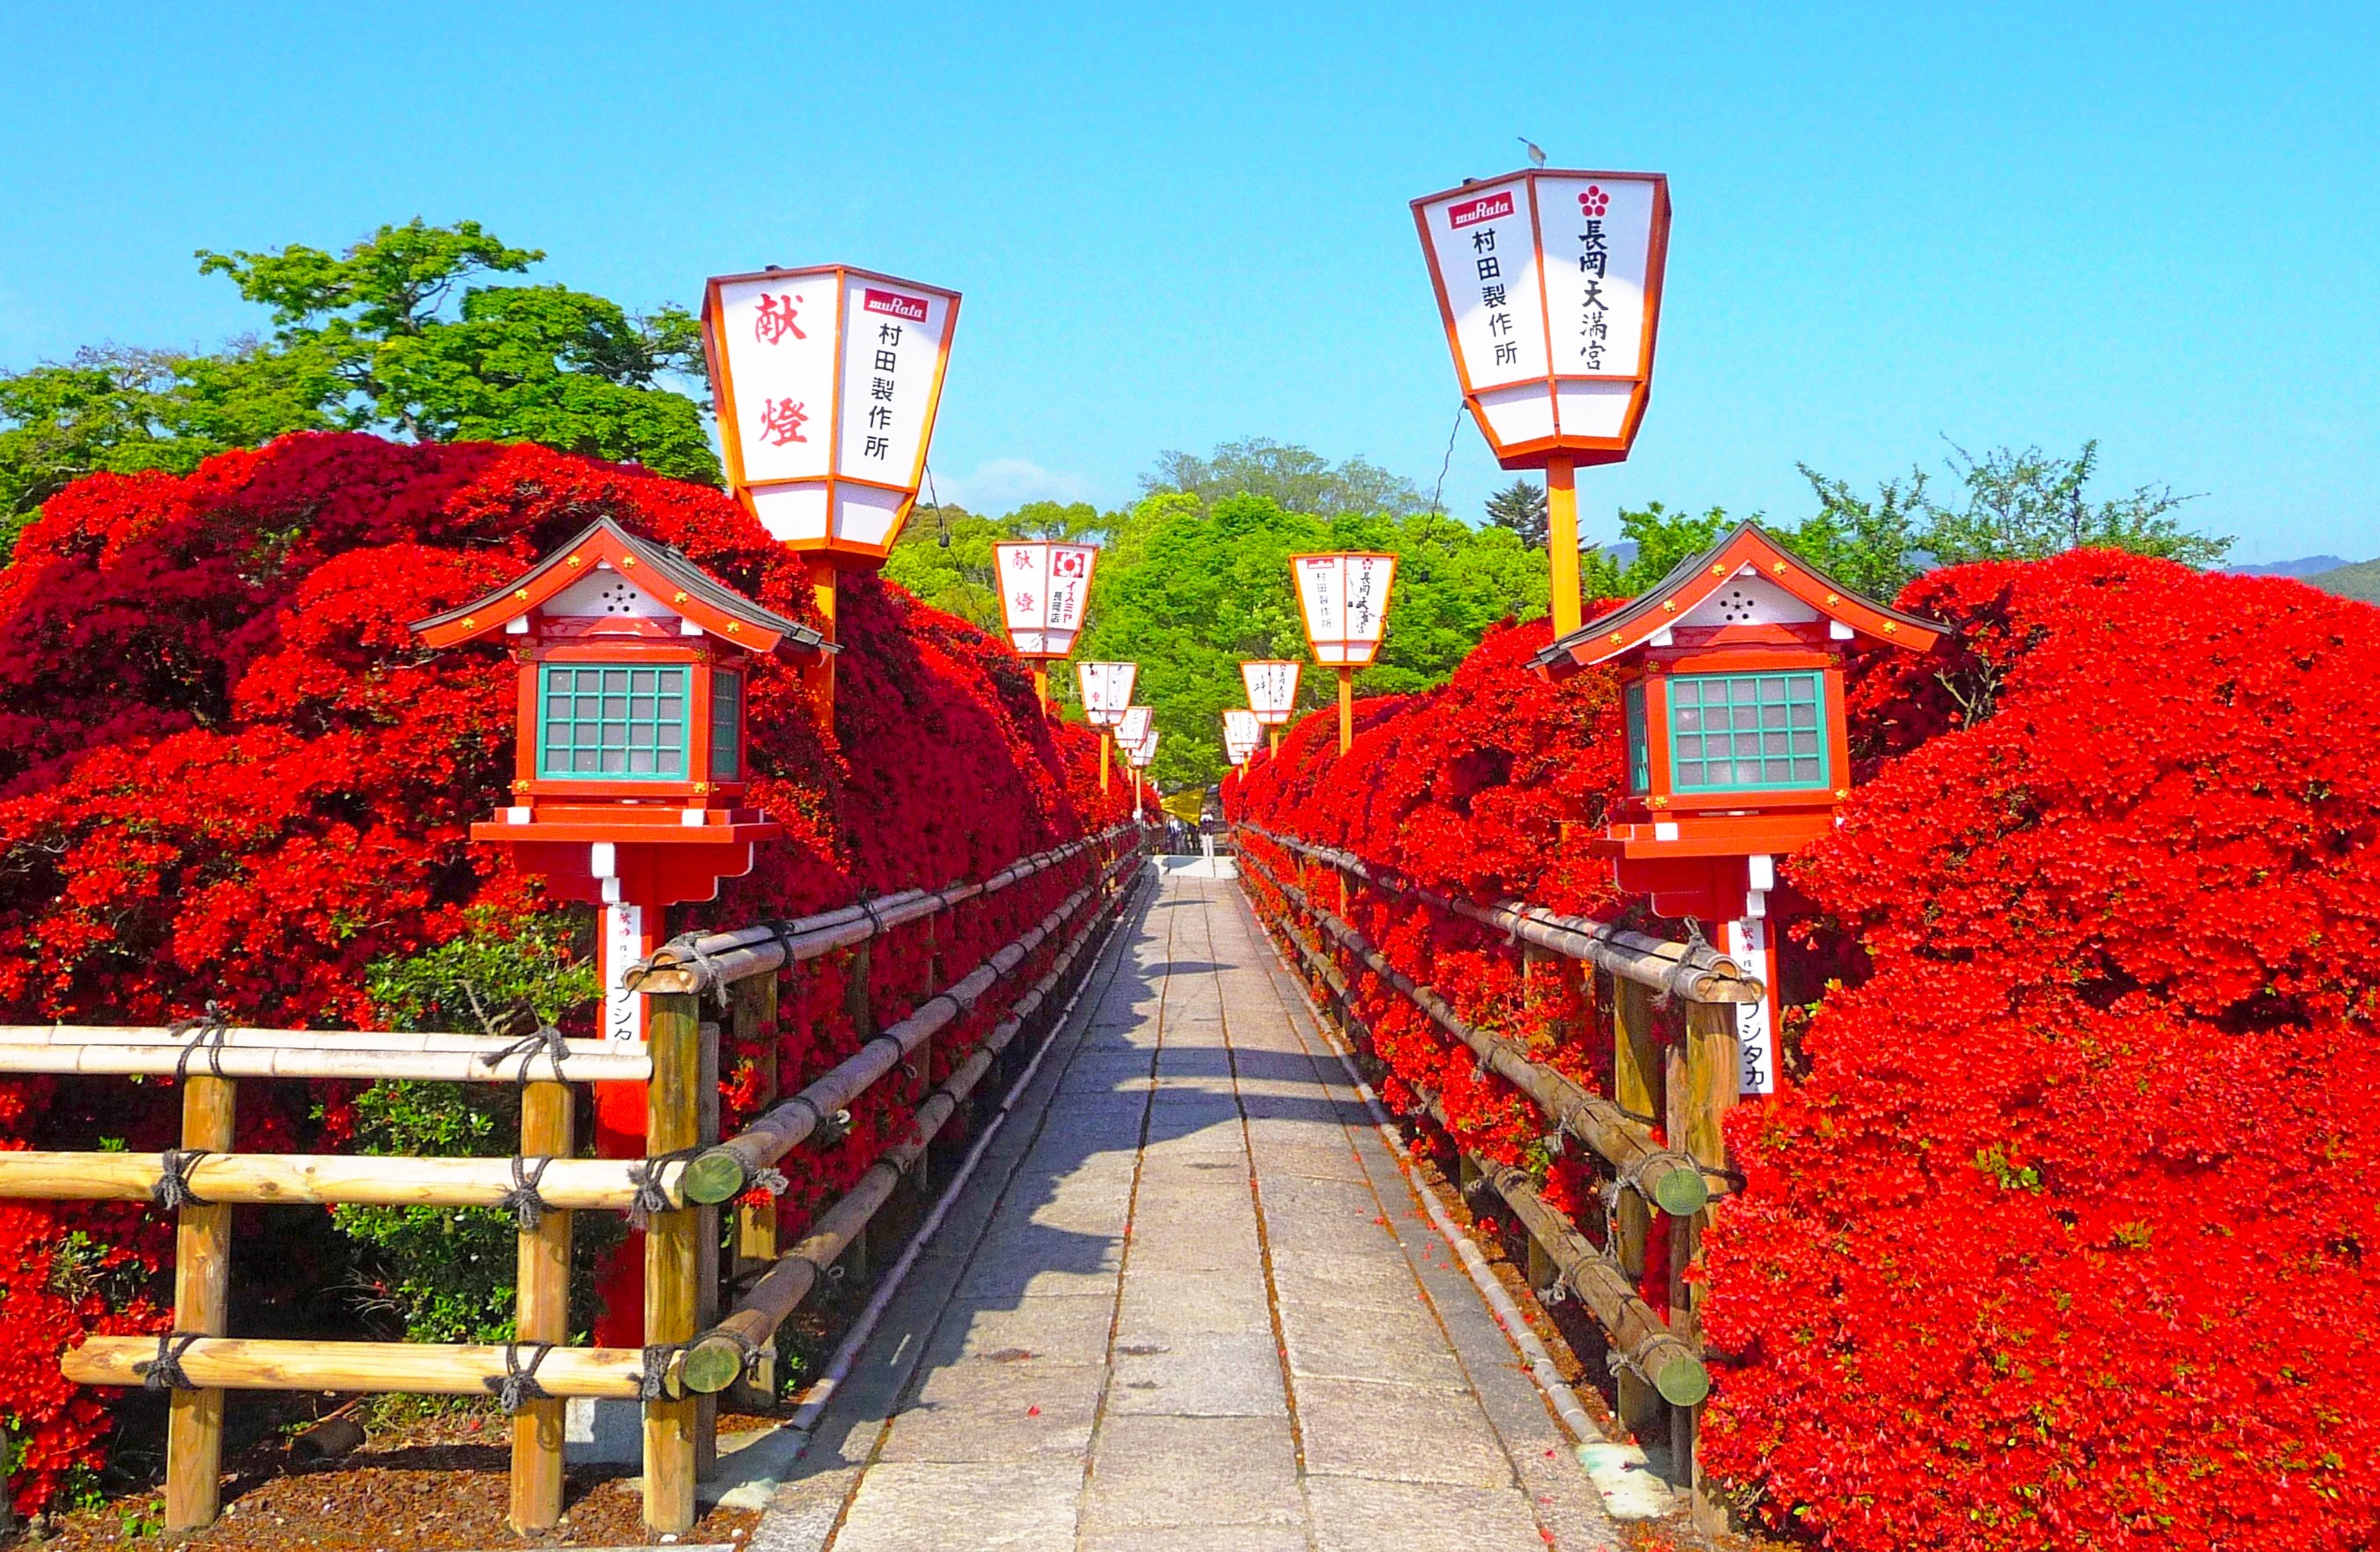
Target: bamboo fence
1680,1070
196,1362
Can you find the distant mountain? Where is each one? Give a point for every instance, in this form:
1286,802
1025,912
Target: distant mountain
2361,581
2306,567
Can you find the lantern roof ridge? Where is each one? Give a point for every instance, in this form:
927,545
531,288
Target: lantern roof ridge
1665,604
680,584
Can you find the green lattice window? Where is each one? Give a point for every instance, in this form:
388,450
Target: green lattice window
612,723
1640,748
726,721
1747,732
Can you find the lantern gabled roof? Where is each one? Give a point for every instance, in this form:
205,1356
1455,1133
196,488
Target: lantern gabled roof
1671,602
656,569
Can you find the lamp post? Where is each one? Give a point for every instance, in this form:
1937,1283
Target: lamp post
1271,683
827,379
1345,599
1106,690
1549,286
1043,586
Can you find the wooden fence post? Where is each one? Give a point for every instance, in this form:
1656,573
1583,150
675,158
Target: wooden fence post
859,1006
542,1314
1636,1088
1703,1071
755,1014
708,1247
674,1035
201,1306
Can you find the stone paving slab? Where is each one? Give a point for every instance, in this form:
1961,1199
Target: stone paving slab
1188,1302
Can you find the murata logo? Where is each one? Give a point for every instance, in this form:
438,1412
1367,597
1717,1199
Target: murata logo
896,305
1471,213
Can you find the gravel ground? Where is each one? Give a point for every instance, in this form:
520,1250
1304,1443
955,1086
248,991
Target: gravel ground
436,1483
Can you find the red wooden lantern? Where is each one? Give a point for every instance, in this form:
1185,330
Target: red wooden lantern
630,767
1732,681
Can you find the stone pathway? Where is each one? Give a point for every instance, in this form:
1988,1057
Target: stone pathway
1188,1302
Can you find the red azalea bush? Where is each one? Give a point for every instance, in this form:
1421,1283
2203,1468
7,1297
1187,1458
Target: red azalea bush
2060,1243
2055,1236
228,773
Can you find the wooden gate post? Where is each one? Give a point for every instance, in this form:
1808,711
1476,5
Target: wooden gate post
1703,1071
202,1307
1636,1088
708,1247
542,1314
674,1035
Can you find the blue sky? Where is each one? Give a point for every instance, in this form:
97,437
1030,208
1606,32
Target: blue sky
2154,226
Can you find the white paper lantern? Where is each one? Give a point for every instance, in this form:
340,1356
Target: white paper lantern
1145,750
1105,689
1272,689
1242,733
1549,286
1043,587
826,380
1133,727
1345,599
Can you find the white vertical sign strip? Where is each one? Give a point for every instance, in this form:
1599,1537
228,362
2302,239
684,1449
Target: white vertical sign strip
1486,260
1747,944
890,359
1024,592
1598,237
777,334
1322,594
1069,591
624,944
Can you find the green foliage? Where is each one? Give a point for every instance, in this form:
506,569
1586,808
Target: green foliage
1521,506
2361,581
2030,505
447,1273
390,335
1867,545
1297,478
1190,587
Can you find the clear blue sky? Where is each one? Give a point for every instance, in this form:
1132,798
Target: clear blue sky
2154,226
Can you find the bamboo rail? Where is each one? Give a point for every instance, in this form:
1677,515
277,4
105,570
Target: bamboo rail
728,1171
423,1368
375,1065
297,1179
1696,972
1672,1181
708,963
714,1359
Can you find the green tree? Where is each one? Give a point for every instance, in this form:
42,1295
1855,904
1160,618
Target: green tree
1521,506
2024,506
1298,478
1867,545
1189,588
390,335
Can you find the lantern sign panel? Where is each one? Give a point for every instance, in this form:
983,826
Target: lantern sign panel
1242,733
1133,726
1549,286
1346,601
827,379
1145,750
1272,689
1105,689
1043,587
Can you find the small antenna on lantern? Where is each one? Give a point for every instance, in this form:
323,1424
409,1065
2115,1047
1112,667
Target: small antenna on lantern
941,518
1536,156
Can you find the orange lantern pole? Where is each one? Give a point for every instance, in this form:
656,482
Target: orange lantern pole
827,379
1549,286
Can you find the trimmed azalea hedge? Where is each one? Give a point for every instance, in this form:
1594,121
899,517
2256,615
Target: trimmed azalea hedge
2056,1235
228,772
